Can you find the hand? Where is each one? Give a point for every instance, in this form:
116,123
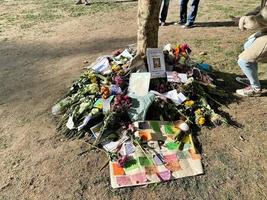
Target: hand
242,23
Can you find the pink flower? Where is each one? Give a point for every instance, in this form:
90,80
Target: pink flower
118,80
185,47
117,52
131,128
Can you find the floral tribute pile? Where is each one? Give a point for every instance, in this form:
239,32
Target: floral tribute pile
147,136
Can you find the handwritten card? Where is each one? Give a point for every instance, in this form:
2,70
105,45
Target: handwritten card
175,97
172,95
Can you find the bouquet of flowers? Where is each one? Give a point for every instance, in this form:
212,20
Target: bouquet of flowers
100,95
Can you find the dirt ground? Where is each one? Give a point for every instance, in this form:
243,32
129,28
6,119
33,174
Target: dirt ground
39,63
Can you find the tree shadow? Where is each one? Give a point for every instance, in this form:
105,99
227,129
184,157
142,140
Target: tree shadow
110,2
46,56
229,84
208,24
125,1
216,24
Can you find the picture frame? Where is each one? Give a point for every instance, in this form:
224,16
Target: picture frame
156,63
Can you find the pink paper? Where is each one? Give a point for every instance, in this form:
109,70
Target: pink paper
139,178
170,158
123,180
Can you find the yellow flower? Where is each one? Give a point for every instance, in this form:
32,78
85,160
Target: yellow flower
115,68
201,121
198,112
93,79
189,103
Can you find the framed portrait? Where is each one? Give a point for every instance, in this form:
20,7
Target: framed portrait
156,63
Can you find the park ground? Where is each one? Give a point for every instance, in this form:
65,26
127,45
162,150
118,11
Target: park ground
43,46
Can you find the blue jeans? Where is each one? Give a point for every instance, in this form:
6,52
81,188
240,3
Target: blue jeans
183,11
250,69
164,11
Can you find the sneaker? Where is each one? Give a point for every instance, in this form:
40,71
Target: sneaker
180,23
243,81
188,25
162,23
249,92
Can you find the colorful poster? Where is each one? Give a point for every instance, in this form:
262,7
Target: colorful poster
170,155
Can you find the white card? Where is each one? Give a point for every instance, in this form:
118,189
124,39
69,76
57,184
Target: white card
171,95
124,54
176,77
106,105
101,64
181,98
139,83
70,123
175,97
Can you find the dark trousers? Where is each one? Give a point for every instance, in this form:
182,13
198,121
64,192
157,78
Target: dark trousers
164,11
183,11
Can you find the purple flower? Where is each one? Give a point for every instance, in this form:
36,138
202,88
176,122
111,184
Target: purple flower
118,80
115,89
122,160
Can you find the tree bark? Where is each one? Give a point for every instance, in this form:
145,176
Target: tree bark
148,25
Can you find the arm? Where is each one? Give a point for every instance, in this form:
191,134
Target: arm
256,21
253,12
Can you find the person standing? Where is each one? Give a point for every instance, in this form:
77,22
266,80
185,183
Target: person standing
164,12
255,50
188,20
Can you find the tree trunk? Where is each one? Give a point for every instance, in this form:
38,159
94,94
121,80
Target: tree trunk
148,25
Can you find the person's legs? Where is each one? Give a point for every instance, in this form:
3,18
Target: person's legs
193,13
247,44
183,11
248,62
250,69
164,11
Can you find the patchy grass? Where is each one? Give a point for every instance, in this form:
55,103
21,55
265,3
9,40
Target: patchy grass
26,13
234,168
